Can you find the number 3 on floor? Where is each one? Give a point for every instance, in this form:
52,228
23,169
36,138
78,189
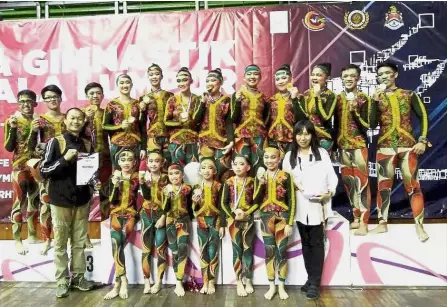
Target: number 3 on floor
89,260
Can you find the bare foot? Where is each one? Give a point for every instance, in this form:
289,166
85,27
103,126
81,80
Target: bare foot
20,248
156,287
204,289
282,291
211,287
355,224
271,292
32,239
46,247
179,289
123,289
249,286
362,230
114,292
147,286
422,235
88,243
382,228
240,289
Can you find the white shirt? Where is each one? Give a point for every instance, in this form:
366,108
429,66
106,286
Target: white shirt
316,178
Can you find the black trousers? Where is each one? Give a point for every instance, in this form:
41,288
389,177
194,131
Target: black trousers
312,240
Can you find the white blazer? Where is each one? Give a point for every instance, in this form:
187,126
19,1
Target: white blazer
316,178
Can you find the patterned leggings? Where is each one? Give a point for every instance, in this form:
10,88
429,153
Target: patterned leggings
208,232
272,227
387,161
242,235
24,185
178,239
183,154
355,176
45,212
150,235
120,229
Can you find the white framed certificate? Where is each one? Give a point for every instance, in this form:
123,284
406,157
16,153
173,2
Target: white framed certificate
86,167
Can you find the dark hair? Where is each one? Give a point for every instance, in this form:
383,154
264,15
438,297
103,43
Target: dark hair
126,76
51,88
91,85
74,109
28,93
387,64
186,70
155,66
314,145
286,68
245,157
352,66
326,67
217,72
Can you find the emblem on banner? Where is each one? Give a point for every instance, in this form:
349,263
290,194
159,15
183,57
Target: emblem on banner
393,19
314,21
356,20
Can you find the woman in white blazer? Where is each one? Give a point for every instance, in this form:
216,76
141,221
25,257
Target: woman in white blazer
316,182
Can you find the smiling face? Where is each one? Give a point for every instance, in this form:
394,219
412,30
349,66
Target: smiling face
207,169
387,76
240,166
74,121
95,96
318,76
175,176
127,161
303,139
124,85
154,162
281,80
272,158
350,78
155,76
26,105
213,84
252,78
184,82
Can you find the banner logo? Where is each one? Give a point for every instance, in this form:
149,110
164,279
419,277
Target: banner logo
314,21
393,19
356,20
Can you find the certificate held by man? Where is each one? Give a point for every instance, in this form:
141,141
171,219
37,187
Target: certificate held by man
86,168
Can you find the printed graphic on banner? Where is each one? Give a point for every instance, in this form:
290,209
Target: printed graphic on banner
314,21
393,19
356,20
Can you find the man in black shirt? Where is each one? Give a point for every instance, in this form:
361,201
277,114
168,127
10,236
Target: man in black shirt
69,202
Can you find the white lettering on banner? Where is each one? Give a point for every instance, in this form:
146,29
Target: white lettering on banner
55,61
5,194
220,52
6,91
133,58
4,162
184,48
5,177
76,60
5,70
34,63
107,58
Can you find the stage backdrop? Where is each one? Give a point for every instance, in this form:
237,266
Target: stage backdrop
73,52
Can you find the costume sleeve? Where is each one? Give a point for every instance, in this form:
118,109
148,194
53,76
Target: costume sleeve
374,114
258,196
266,111
166,203
225,205
327,110
291,200
235,108
107,120
10,137
146,191
114,195
229,123
298,111
142,126
362,114
53,162
419,108
199,110
32,140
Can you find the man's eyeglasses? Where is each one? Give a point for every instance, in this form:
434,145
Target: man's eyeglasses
51,98
29,102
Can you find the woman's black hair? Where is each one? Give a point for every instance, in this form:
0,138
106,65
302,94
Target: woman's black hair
314,144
